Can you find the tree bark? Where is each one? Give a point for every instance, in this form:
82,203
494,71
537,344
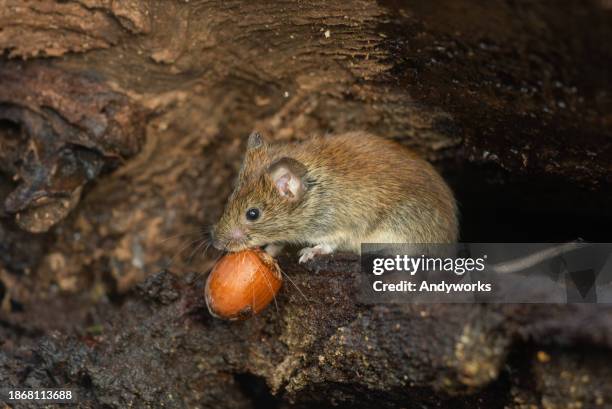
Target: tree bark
122,125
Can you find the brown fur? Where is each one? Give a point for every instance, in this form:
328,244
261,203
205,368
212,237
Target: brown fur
359,188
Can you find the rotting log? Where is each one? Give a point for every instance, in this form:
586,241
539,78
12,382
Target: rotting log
71,126
319,347
122,127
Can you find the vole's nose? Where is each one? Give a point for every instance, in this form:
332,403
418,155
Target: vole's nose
226,240
237,234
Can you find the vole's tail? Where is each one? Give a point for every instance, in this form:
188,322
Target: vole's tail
531,260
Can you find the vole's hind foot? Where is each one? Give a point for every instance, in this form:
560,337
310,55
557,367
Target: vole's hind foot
308,253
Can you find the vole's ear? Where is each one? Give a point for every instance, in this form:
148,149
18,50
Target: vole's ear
256,153
255,140
288,176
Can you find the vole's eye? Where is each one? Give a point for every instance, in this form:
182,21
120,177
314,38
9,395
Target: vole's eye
252,214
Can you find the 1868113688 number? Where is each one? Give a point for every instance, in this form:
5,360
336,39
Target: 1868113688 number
40,395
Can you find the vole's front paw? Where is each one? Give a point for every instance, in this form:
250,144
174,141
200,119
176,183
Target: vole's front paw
273,249
308,253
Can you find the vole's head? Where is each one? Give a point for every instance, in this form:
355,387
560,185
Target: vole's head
261,209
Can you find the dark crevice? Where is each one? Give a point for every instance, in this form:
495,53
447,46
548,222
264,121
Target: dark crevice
496,206
11,146
519,370
10,127
2,291
256,389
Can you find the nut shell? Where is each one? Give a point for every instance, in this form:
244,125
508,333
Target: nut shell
242,284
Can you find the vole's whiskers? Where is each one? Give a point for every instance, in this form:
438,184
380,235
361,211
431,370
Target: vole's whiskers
272,291
184,246
200,274
206,242
198,237
294,284
202,242
183,234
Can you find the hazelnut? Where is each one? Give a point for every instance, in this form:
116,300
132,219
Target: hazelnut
242,284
